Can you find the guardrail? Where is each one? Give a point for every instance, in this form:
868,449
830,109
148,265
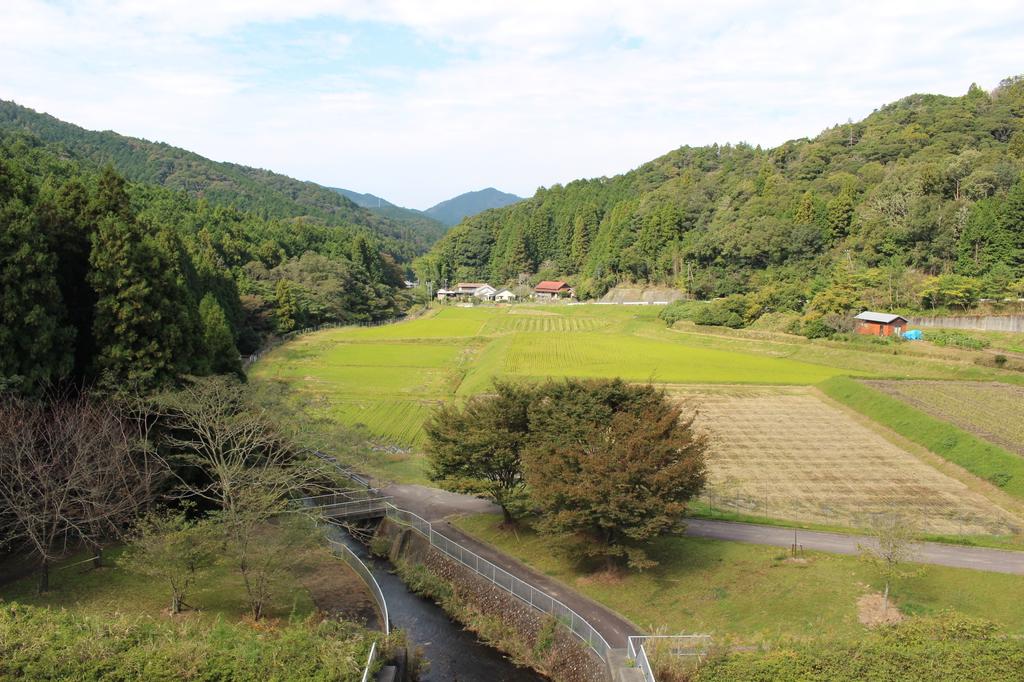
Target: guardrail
370,660
364,572
638,650
528,594
375,505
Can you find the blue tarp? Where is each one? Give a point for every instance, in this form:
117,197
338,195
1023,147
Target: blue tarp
913,335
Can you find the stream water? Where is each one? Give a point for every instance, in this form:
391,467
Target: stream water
454,654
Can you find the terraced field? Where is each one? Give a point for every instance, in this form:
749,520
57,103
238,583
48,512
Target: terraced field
992,411
787,454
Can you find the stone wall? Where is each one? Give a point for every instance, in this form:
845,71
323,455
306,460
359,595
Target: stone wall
527,636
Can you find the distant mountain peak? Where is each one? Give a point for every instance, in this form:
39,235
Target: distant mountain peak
452,211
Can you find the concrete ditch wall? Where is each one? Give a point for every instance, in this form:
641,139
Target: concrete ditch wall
524,632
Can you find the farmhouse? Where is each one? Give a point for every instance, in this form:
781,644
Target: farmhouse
880,324
485,292
445,294
504,296
467,288
547,290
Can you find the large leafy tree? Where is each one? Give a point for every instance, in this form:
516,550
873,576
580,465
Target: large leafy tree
613,463
478,448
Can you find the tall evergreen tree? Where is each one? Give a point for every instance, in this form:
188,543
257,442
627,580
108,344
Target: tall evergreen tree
35,339
218,341
142,325
840,214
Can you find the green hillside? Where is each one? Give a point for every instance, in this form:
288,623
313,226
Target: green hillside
862,214
269,194
452,211
424,226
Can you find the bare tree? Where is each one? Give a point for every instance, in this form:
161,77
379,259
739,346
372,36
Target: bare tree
894,546
71,472
244,467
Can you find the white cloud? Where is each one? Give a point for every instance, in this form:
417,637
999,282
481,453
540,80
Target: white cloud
529,93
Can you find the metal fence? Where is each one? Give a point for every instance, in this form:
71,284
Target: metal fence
678,645
370,660
364,572
536,599
370,506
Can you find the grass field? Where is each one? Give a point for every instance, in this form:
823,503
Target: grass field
787,454
384,381
992,411
753,593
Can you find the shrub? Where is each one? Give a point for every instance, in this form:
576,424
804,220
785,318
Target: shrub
680,310
724,312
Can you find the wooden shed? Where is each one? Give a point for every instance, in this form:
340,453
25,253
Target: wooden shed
880,324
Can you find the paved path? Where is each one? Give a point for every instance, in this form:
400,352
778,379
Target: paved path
957,556
434,505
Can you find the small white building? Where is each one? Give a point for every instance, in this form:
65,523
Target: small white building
445,294
485,292
504,296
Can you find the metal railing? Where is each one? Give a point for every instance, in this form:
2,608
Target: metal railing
695,645
370,660
528,594
373,505
364,572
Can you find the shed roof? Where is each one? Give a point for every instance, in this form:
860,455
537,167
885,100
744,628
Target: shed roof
881,318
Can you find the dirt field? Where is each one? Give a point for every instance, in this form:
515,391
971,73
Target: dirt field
990,410
785,453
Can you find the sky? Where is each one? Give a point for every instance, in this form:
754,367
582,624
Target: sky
417,101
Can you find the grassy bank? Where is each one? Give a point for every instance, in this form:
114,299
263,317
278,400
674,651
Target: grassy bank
977,456
754,593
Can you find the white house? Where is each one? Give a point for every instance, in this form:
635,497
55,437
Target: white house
485,292
504,296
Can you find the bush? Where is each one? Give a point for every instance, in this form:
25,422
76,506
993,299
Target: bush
957,339
680,310
724,312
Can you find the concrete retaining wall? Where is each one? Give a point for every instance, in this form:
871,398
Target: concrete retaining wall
564,658
991,323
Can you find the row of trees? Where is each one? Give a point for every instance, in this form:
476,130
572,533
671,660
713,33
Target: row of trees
190,477
927,185
611,463
104,281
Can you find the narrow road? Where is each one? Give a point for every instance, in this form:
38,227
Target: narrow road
434,505
957,556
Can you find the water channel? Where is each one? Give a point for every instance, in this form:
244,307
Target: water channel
455,655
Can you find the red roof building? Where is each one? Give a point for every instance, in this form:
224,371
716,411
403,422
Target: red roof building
553,289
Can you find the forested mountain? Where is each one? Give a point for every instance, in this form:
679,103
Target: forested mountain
453,210
921,203
134,285
425,226
267,194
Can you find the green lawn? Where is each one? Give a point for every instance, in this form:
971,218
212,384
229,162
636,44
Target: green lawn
754,593
111,589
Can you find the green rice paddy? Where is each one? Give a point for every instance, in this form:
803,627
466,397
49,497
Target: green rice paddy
388,379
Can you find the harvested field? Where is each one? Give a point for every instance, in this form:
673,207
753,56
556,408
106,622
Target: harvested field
989,410
787,454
